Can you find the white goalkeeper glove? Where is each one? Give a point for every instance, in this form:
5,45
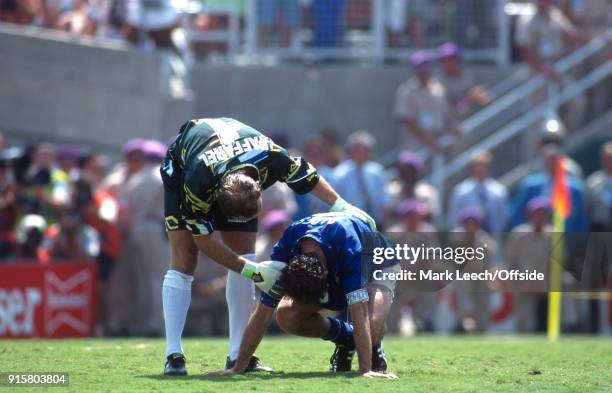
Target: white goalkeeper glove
343,206
264,274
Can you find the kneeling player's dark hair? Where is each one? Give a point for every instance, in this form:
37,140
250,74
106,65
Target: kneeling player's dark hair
304,279
239,196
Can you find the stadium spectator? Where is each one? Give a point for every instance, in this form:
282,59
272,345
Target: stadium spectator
37,198
363,182
280,19
29,235
553,133
154,19
590,16
409,184
278,197
540,184
20,12
529,248
462,92
422,106
65,170
329,23
473,296
8,210
273,225
414,305
544,37
482,192
70,239
78,20
317,152
146,259
599,188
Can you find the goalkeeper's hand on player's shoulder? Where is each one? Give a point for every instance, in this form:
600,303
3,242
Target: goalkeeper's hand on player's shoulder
264,275
343,206
375,374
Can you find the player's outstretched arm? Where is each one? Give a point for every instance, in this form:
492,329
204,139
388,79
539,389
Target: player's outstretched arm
363,341
255,330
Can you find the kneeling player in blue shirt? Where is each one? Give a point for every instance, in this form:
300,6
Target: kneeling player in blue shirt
329,266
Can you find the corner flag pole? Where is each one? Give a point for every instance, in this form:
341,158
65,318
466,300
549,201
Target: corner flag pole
561,206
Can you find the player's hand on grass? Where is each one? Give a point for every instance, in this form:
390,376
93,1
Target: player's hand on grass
343,206
374,374
228,372
264,274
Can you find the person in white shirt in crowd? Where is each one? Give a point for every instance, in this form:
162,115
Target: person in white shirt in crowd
421,105
599,193
462,92
413,299
154,19
482,192
545,37
408,184
363,181
529,247
473,296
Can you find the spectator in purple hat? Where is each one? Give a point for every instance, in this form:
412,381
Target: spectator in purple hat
408,184
273,225
473,297
142,262
416,299
422,107
154,150
462,91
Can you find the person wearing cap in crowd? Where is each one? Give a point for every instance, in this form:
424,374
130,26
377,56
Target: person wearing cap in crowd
363,181
473,296
421,105
462,92
118,182
408,184
480,190
416,297
599,186
273,225
529,248
541,184
145,198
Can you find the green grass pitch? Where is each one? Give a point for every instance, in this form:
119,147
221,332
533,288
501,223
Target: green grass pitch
424,364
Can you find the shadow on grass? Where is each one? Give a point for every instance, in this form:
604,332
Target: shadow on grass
261,376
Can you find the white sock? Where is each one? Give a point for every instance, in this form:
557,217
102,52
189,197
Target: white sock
176,296
240,295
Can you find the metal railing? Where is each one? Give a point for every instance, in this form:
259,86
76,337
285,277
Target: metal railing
374,30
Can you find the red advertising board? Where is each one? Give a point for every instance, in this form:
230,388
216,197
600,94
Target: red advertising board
54,301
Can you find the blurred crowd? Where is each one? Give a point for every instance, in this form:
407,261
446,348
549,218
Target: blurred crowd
61,204
64,203
294,24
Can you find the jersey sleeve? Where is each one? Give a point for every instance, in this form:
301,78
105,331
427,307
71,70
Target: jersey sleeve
296,172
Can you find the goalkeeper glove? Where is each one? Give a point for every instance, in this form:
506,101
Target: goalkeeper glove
264,274
343,206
